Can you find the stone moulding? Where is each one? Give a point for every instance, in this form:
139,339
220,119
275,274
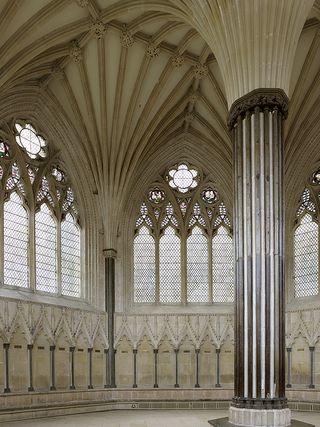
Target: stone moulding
263,98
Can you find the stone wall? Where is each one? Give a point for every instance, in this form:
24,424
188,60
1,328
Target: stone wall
170,343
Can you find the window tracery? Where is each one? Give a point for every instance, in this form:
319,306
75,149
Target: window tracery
306,240
41,235
182,234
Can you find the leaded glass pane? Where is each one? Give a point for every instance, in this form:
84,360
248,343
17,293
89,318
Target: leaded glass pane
16,272
222,267
306,256
170,268
197,267
46,250
144,267
70,258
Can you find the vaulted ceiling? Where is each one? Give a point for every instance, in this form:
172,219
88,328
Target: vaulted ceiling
133,78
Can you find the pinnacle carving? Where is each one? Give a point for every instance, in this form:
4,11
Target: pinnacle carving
264,98
98,29
177,61
75,52
200,71
152,50
126,38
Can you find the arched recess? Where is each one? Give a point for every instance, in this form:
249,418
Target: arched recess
81,363
62,363
207,363
187,363
18,361
41,362
98,363
41,109
145,363
300,365
227,363
166,363
124,363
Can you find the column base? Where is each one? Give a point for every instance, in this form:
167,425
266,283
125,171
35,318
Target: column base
260,417
224,422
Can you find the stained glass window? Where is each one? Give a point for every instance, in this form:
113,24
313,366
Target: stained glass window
173,261
46,250
197,267
222,266
40,233
170,266
144,267
16,232
306,257
70,257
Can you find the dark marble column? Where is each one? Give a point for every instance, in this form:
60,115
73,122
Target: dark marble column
256,121
90,386
155,351
6,347
289,354
71,350
52,368
110,257
218,351
30,348
176,351
135,351
311,385
197,351
106,351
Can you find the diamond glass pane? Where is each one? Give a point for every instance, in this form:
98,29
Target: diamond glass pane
170,269
306,263
16,271
144,270
46,250
70,258
197,267
222,267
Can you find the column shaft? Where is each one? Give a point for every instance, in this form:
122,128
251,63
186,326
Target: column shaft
256,124
135,368
72,385
110,255
90,386
176,351
311,385
6,347
52,367
155,351
197,385
218,367
289,353
30,348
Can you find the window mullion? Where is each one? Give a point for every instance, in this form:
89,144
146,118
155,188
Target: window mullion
210,284
58,256
32,249
1,241
157,267
183,266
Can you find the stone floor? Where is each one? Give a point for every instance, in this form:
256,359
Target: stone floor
142,418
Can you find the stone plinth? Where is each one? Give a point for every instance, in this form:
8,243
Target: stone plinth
224,422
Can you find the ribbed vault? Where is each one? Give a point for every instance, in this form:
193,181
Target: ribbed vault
129,81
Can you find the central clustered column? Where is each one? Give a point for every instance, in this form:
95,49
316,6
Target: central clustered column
255,121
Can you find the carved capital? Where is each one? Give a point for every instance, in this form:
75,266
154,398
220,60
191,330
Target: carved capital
98,29
261,99
126,38
152,50
177,61
75,52
110,253
200,71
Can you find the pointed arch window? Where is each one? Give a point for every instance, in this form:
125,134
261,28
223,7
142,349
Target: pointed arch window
180,215
306,247
16,240
41,234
